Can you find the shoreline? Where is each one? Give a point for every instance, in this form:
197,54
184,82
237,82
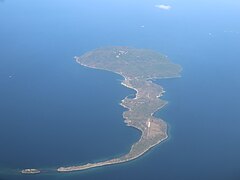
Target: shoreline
139,69
127,122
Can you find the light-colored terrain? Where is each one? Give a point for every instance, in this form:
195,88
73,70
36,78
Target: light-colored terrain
30,171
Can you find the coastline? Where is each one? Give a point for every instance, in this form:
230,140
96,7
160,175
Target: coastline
139,68
118,160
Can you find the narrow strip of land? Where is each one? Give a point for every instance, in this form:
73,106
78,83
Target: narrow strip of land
139,116
138,67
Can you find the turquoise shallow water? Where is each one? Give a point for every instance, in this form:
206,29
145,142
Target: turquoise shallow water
54,112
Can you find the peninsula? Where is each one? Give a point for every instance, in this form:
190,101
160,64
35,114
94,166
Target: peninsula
138,67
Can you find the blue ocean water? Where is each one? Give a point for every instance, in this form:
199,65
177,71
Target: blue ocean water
54,112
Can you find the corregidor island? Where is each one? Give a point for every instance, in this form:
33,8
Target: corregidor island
138,68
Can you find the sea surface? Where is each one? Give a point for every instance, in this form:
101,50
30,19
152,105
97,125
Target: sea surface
53,112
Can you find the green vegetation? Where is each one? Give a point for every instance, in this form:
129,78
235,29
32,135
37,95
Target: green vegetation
131,62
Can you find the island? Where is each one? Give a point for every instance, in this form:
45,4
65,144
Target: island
139,68
30,171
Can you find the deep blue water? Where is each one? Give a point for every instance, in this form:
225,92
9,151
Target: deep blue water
54,112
